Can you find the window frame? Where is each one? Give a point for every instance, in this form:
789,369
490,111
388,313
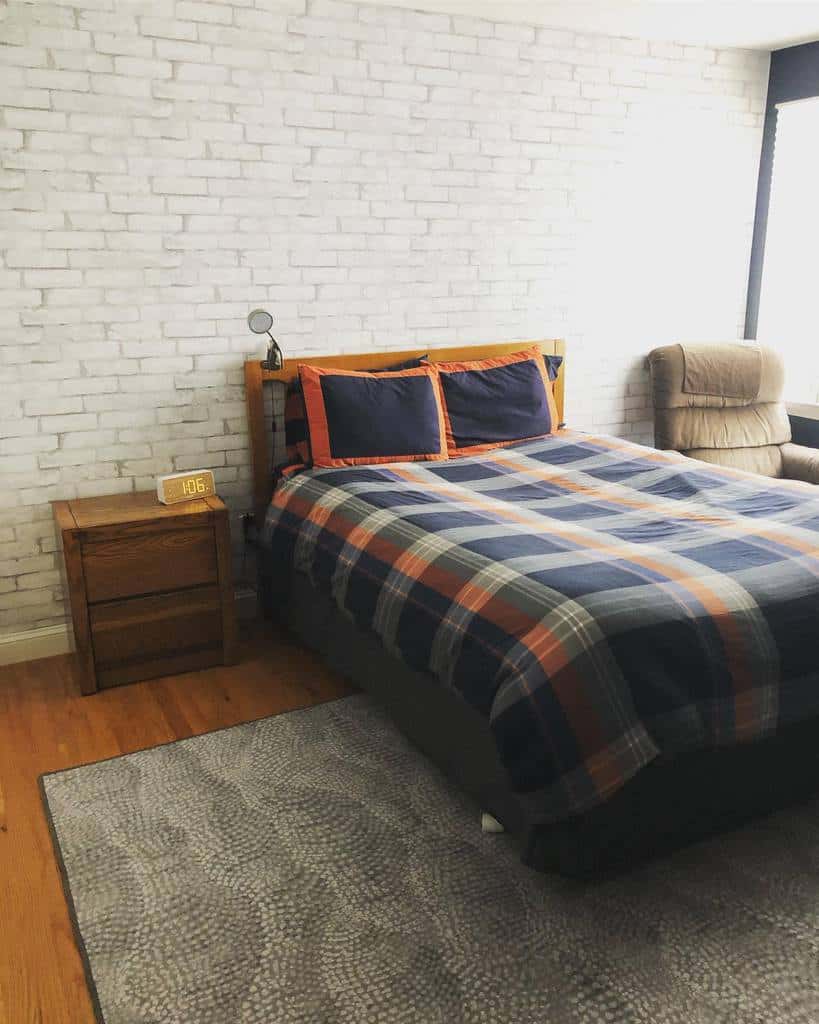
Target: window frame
794,75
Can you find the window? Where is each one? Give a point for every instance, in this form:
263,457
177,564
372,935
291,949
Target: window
789,295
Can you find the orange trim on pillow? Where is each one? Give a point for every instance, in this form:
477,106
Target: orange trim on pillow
534,353
490,446
317,415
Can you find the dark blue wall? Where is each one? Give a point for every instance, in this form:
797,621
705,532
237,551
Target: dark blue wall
794,75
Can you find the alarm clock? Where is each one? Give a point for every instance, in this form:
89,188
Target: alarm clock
196,483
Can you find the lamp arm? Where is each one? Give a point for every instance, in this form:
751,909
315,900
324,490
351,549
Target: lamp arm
274,359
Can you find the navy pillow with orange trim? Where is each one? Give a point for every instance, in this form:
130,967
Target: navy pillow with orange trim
357,418
296,436
296,441
489,403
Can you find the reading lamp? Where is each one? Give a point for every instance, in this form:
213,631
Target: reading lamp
260,322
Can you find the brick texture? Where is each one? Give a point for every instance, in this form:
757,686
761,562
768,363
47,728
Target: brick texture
376,177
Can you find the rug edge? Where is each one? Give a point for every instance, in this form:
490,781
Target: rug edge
194,736
90,984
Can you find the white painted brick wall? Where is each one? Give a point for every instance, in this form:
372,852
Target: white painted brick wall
376,177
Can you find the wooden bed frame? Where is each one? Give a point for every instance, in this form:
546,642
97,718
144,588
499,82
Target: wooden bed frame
256,377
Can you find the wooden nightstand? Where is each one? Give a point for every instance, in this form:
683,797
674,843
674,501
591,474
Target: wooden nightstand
150,586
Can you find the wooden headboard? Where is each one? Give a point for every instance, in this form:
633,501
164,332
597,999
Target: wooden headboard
256,377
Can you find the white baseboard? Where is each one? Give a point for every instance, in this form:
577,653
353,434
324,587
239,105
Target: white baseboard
50,640
35,643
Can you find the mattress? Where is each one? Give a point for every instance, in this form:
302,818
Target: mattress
602,605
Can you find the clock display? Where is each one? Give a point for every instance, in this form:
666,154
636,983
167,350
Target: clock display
185,486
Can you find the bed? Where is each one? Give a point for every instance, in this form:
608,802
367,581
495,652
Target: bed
612,648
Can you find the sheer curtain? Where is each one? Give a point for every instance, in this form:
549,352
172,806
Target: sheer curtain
789,297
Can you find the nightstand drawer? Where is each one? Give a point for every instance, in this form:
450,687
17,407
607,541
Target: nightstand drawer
148,562
143,629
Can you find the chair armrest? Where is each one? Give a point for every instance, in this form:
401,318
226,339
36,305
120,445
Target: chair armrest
800,463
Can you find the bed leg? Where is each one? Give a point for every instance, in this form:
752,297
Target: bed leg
490,824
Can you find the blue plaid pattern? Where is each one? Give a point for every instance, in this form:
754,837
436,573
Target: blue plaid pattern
601,603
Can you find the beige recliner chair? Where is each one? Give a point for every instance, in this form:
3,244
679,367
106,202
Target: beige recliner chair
723,403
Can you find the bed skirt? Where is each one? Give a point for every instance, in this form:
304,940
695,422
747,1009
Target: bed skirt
667,805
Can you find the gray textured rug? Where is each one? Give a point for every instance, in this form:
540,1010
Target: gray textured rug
313,867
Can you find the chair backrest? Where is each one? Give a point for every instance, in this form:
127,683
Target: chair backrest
721,403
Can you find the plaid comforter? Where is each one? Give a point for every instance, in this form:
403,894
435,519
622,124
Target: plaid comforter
601,603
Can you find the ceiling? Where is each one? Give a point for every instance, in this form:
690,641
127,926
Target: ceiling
754,24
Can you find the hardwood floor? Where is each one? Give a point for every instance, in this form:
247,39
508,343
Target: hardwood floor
46,725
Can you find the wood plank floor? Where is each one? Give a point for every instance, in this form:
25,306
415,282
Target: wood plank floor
46,725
